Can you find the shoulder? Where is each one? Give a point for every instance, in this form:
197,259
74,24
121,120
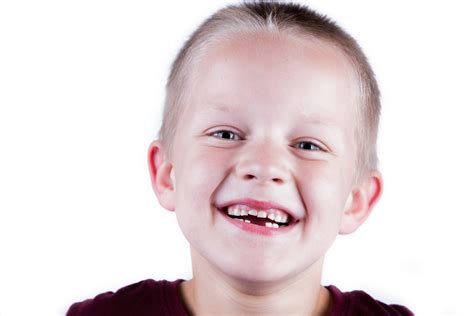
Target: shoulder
147,297
361,303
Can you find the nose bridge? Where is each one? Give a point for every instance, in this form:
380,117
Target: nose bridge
263,161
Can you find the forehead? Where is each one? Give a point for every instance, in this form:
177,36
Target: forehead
281,69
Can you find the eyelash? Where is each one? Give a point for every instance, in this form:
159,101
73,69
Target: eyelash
235,136
300,145
313,145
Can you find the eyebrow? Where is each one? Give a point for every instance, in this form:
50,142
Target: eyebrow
220,107
305,117
313,118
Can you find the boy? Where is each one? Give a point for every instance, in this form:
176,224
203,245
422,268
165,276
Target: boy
266,153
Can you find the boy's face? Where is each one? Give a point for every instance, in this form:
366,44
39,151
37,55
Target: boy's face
269,119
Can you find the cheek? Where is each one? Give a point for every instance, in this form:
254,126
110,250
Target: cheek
324,191
201,170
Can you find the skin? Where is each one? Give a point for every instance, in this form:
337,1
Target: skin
287,106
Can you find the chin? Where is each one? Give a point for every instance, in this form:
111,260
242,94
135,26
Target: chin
255,270
258,273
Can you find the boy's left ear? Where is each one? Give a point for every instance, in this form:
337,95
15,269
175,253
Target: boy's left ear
361,202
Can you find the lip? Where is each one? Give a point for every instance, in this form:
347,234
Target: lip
260,205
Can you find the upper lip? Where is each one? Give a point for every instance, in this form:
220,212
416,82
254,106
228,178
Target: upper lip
259,205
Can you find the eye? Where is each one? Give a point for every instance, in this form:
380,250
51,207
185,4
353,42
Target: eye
309,146
225,134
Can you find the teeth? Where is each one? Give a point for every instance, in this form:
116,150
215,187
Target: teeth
240,219
272,214
247,221
271,225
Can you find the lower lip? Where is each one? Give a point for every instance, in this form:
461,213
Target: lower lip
256,229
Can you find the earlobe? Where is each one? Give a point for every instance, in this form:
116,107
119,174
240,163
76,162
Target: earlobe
162,175
361,202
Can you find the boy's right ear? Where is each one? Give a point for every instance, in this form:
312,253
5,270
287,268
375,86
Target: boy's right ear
162,175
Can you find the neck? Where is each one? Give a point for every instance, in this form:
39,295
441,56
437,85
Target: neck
212,292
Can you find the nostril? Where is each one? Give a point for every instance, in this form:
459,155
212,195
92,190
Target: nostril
277,180
252,177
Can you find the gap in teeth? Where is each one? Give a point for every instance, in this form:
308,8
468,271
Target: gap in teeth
272,214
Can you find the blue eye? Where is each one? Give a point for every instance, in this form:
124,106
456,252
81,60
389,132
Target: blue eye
308,146
227,135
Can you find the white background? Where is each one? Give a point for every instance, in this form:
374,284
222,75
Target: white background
81,90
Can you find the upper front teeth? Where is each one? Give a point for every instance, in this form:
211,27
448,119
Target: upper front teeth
272,214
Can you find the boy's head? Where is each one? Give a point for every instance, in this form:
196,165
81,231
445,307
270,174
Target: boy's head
270,118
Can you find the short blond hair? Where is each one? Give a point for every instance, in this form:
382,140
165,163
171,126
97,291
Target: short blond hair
289,18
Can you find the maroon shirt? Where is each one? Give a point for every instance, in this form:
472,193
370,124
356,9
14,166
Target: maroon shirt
152,297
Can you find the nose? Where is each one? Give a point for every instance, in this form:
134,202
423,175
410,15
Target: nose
262,164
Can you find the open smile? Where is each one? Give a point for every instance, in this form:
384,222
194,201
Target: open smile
258,217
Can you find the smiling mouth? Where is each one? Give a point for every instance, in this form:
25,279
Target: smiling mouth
271,218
